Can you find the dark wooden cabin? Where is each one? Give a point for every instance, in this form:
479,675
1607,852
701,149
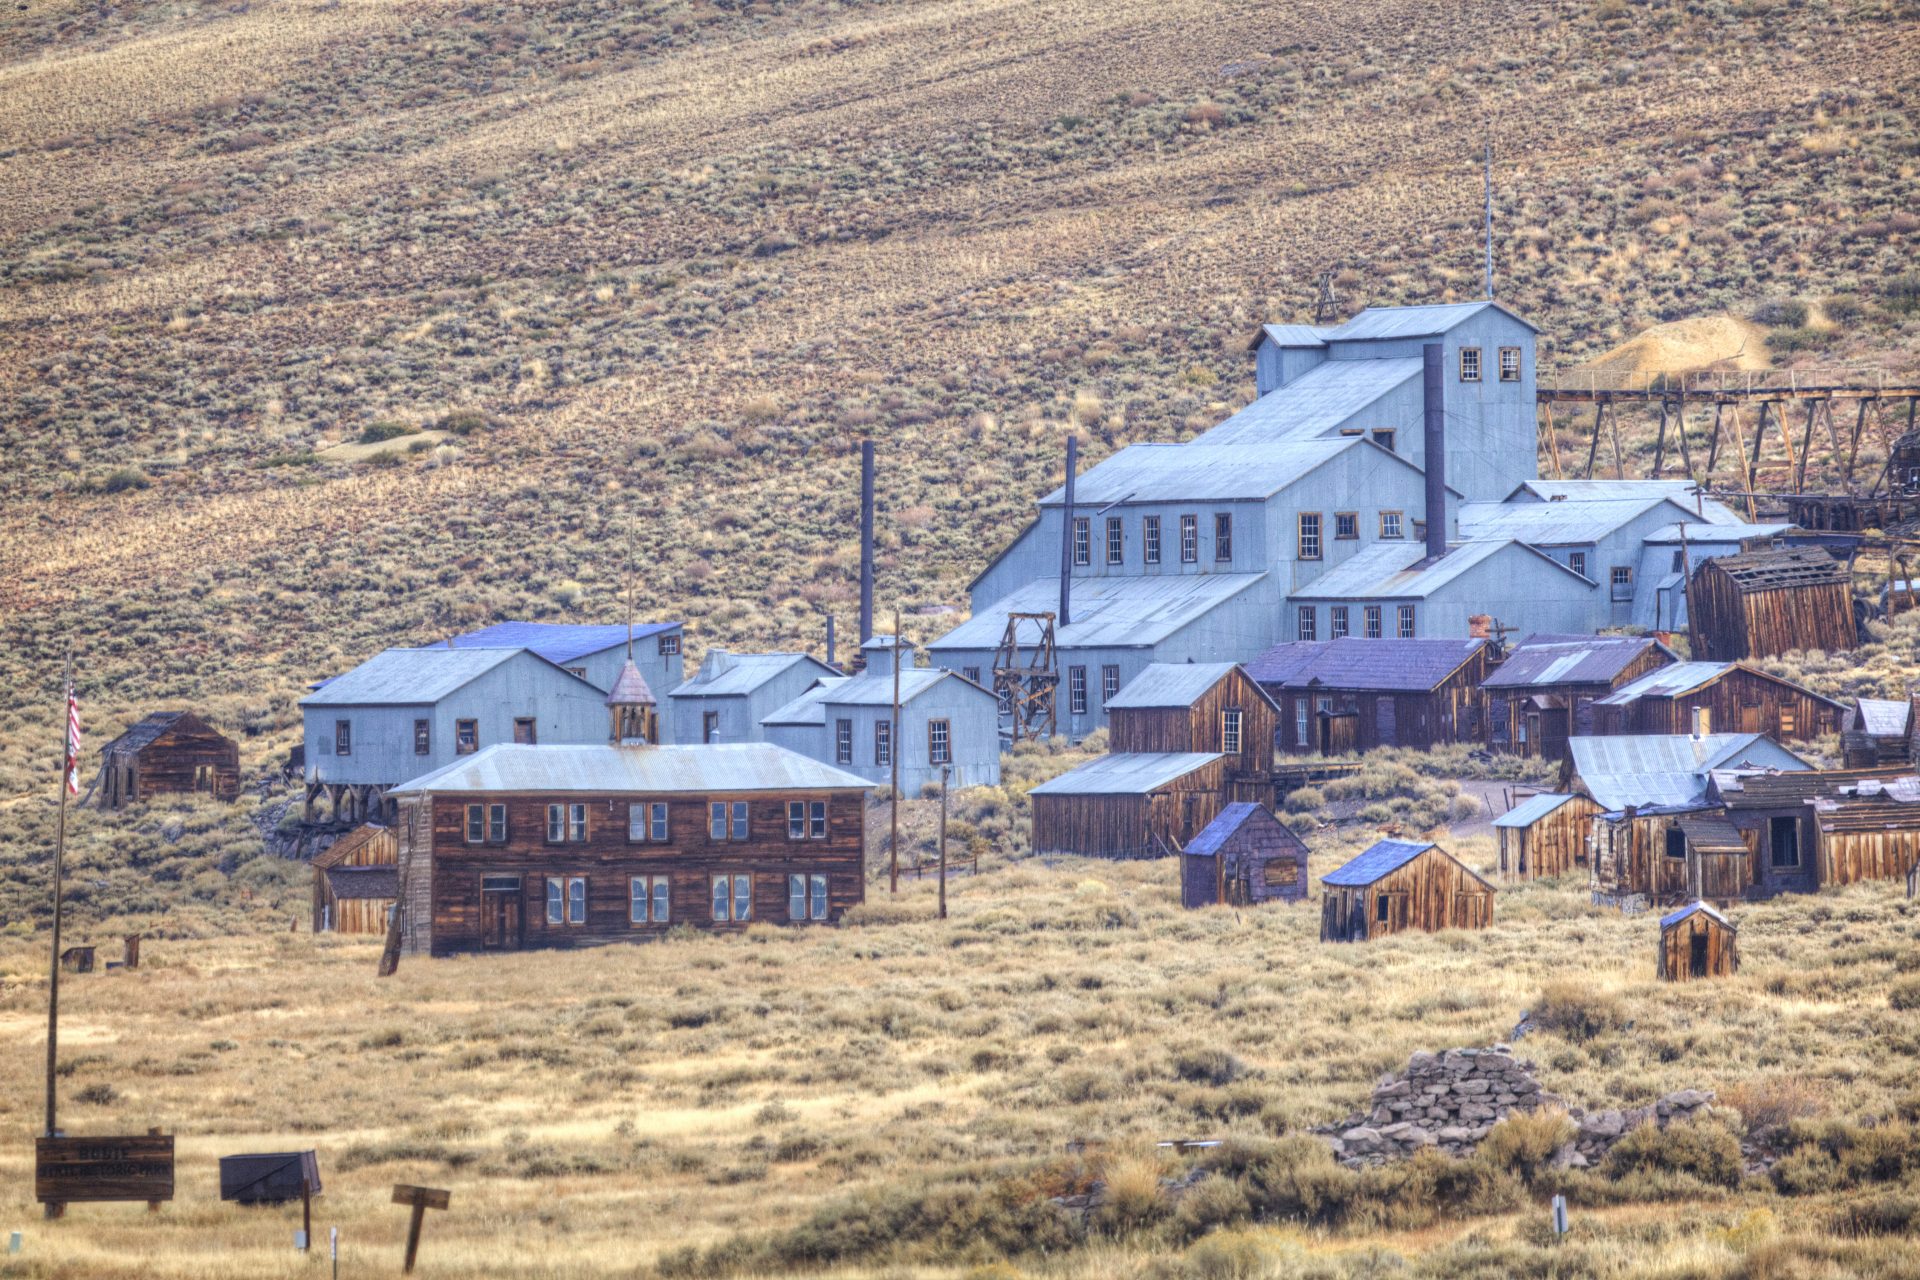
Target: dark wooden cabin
1731,696
1399,885
1832,827
1761,603
355,881
1173,708
1543,692
1545,835
1697,942
1244,856
168,751
1876,732
1354,694
1130,805
563,846
1869,832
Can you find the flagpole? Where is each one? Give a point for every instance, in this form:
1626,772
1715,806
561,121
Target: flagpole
68,762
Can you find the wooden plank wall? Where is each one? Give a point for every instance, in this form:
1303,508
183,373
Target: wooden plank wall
1124,826
1862,847
1675,960
360,915
1430,893
362,847
1730,624
1552,846
172,762
1741,701
1198,728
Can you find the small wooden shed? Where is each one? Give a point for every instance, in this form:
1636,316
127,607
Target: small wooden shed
356,881
1399,885
1761,603
1545,835
168,751
1129,804
1698,942
1876,731
1244,856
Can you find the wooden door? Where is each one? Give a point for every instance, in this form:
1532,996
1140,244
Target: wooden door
1697,955
1383,723
500,920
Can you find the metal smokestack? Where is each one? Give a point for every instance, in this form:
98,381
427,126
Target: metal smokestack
830,661
1433,387
866,541
1066,535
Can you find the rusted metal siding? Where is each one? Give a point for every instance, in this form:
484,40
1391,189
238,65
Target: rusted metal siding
1430,893
1718,954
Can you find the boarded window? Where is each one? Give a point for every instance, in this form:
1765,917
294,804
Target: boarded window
1082,541
1469,364
523,730
1787,723
1189,539
423,737
1337,621
1309,535
1150,539
1309,622
466,737
1346,525
939,742
1116,541
1223,536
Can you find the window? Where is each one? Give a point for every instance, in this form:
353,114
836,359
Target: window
806,897
1406,622
1082,541
556,901
1309,628
523,730
732,898
710,727
1577,561
1116,541
1189,539
1679,562
1230,739
343,737
972,674
647,822
1384,437
649,898
1222,536
476,823
806,819
486,823
1346,525
1337,622
1370,614
577,671
423,737
669,646
1620,577
566,823
1787,724
939,742
1150,539
1077,690
1309,535
1390,524
566,900
1469,364
466,737
1380,908
1302,722
843,742
1676,843
883,742
1109,683
1509,364
1783,841
727,821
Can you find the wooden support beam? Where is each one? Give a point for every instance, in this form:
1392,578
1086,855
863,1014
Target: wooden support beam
1713,443
1853,444
1660,441
1593,449
1619,463
1806,446
1686,450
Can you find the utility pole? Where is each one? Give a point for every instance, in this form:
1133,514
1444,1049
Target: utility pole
69,762
893,759
1489,185
946,771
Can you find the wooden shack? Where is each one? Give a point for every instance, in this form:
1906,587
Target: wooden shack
1702,698
1869,831
1398,885
1543,692
1761,603
355,883
1130,805
1697,942
168,751
1355,694
1244,856
1215,707
1545,835
1875,732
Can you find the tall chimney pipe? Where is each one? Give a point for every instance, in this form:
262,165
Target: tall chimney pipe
1066,535
866,541
1434,388
830,661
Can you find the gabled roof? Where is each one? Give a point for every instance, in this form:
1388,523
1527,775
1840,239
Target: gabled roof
415,677
1384,858
338,851
874,687
1318,401
148,728
1430,320
1554,524
1126,773
1531,810
1355,663
1170,684
1705,510
725,674
1180,473
1229,822
1546,660
1882,717
1694,908
810,708
1683,678
1130,612
557,642
1391,570
695,769
1295,335
363,882
1668,770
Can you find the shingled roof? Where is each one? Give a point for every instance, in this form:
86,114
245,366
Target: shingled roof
145,731
1352,662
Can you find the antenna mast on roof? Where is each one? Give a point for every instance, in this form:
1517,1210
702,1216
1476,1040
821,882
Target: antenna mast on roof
1326,307
629,591
1489,186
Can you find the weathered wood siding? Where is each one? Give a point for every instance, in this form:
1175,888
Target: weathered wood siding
1858,846
1721,945
1249,775
1632,865
1262,862
188,756
1430,893
1508,710
1552,846
368,846
360,915
1730,623
1130,826
1741,701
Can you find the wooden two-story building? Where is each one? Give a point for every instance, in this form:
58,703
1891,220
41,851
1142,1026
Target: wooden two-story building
1543,692
1353,694
1200,706
569,845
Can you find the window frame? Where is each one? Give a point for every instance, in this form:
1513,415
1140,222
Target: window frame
655,899
1405,622
1109,682
739,821
1506,374
669,645
1386,437
806,819
489,819
1306,625
843,740
1082,541
1399,524
1223,537
1371,622
883,744
1150,539
1338,622
939,742
1190,539
1471,364
1619,578
1346,526
423,737
1577,561
709,727
654,825
1116,540
1309,545
572,820
1233,737
1302,720
343,737
1076,691
530,725
466,736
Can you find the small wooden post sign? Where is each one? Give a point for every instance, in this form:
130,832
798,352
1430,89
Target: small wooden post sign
422,1199
69,1170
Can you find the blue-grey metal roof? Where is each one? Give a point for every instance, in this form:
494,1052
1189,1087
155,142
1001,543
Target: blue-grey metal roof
809,708
1431,320
874,688
1669,769
1540,661
1170,684
1531,810
725,674
1381,859
559,642
1882,717
1178,473
655,770
1556,523
1704,510
1318,401
1352,662
1225,823
416,677
1668,921
1666,682
1131,612
1391,570
1295,335
1126,773
1716,533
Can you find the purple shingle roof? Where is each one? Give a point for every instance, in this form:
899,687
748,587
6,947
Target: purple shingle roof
1394,665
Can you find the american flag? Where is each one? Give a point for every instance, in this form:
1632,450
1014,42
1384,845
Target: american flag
73,741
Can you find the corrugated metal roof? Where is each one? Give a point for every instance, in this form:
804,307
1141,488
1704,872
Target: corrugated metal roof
1318,401
1381,859
1386,570
1179,473
1531,810
725,674
1882,717
1705,510
412,677
1716,534
1126,774
1170,684
1552,523
1430,320
1668,921
1537,662
1668,770
875,688
693,769
1355,663
1296,335
809,708
559,642
1130,612
1666,682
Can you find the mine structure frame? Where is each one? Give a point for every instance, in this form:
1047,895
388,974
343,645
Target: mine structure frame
1026,681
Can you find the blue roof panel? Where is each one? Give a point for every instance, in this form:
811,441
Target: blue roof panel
1353,662
1383,858
557,642
1318,401
1224,824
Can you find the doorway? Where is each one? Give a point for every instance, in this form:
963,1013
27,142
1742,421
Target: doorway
500,919
1697,959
